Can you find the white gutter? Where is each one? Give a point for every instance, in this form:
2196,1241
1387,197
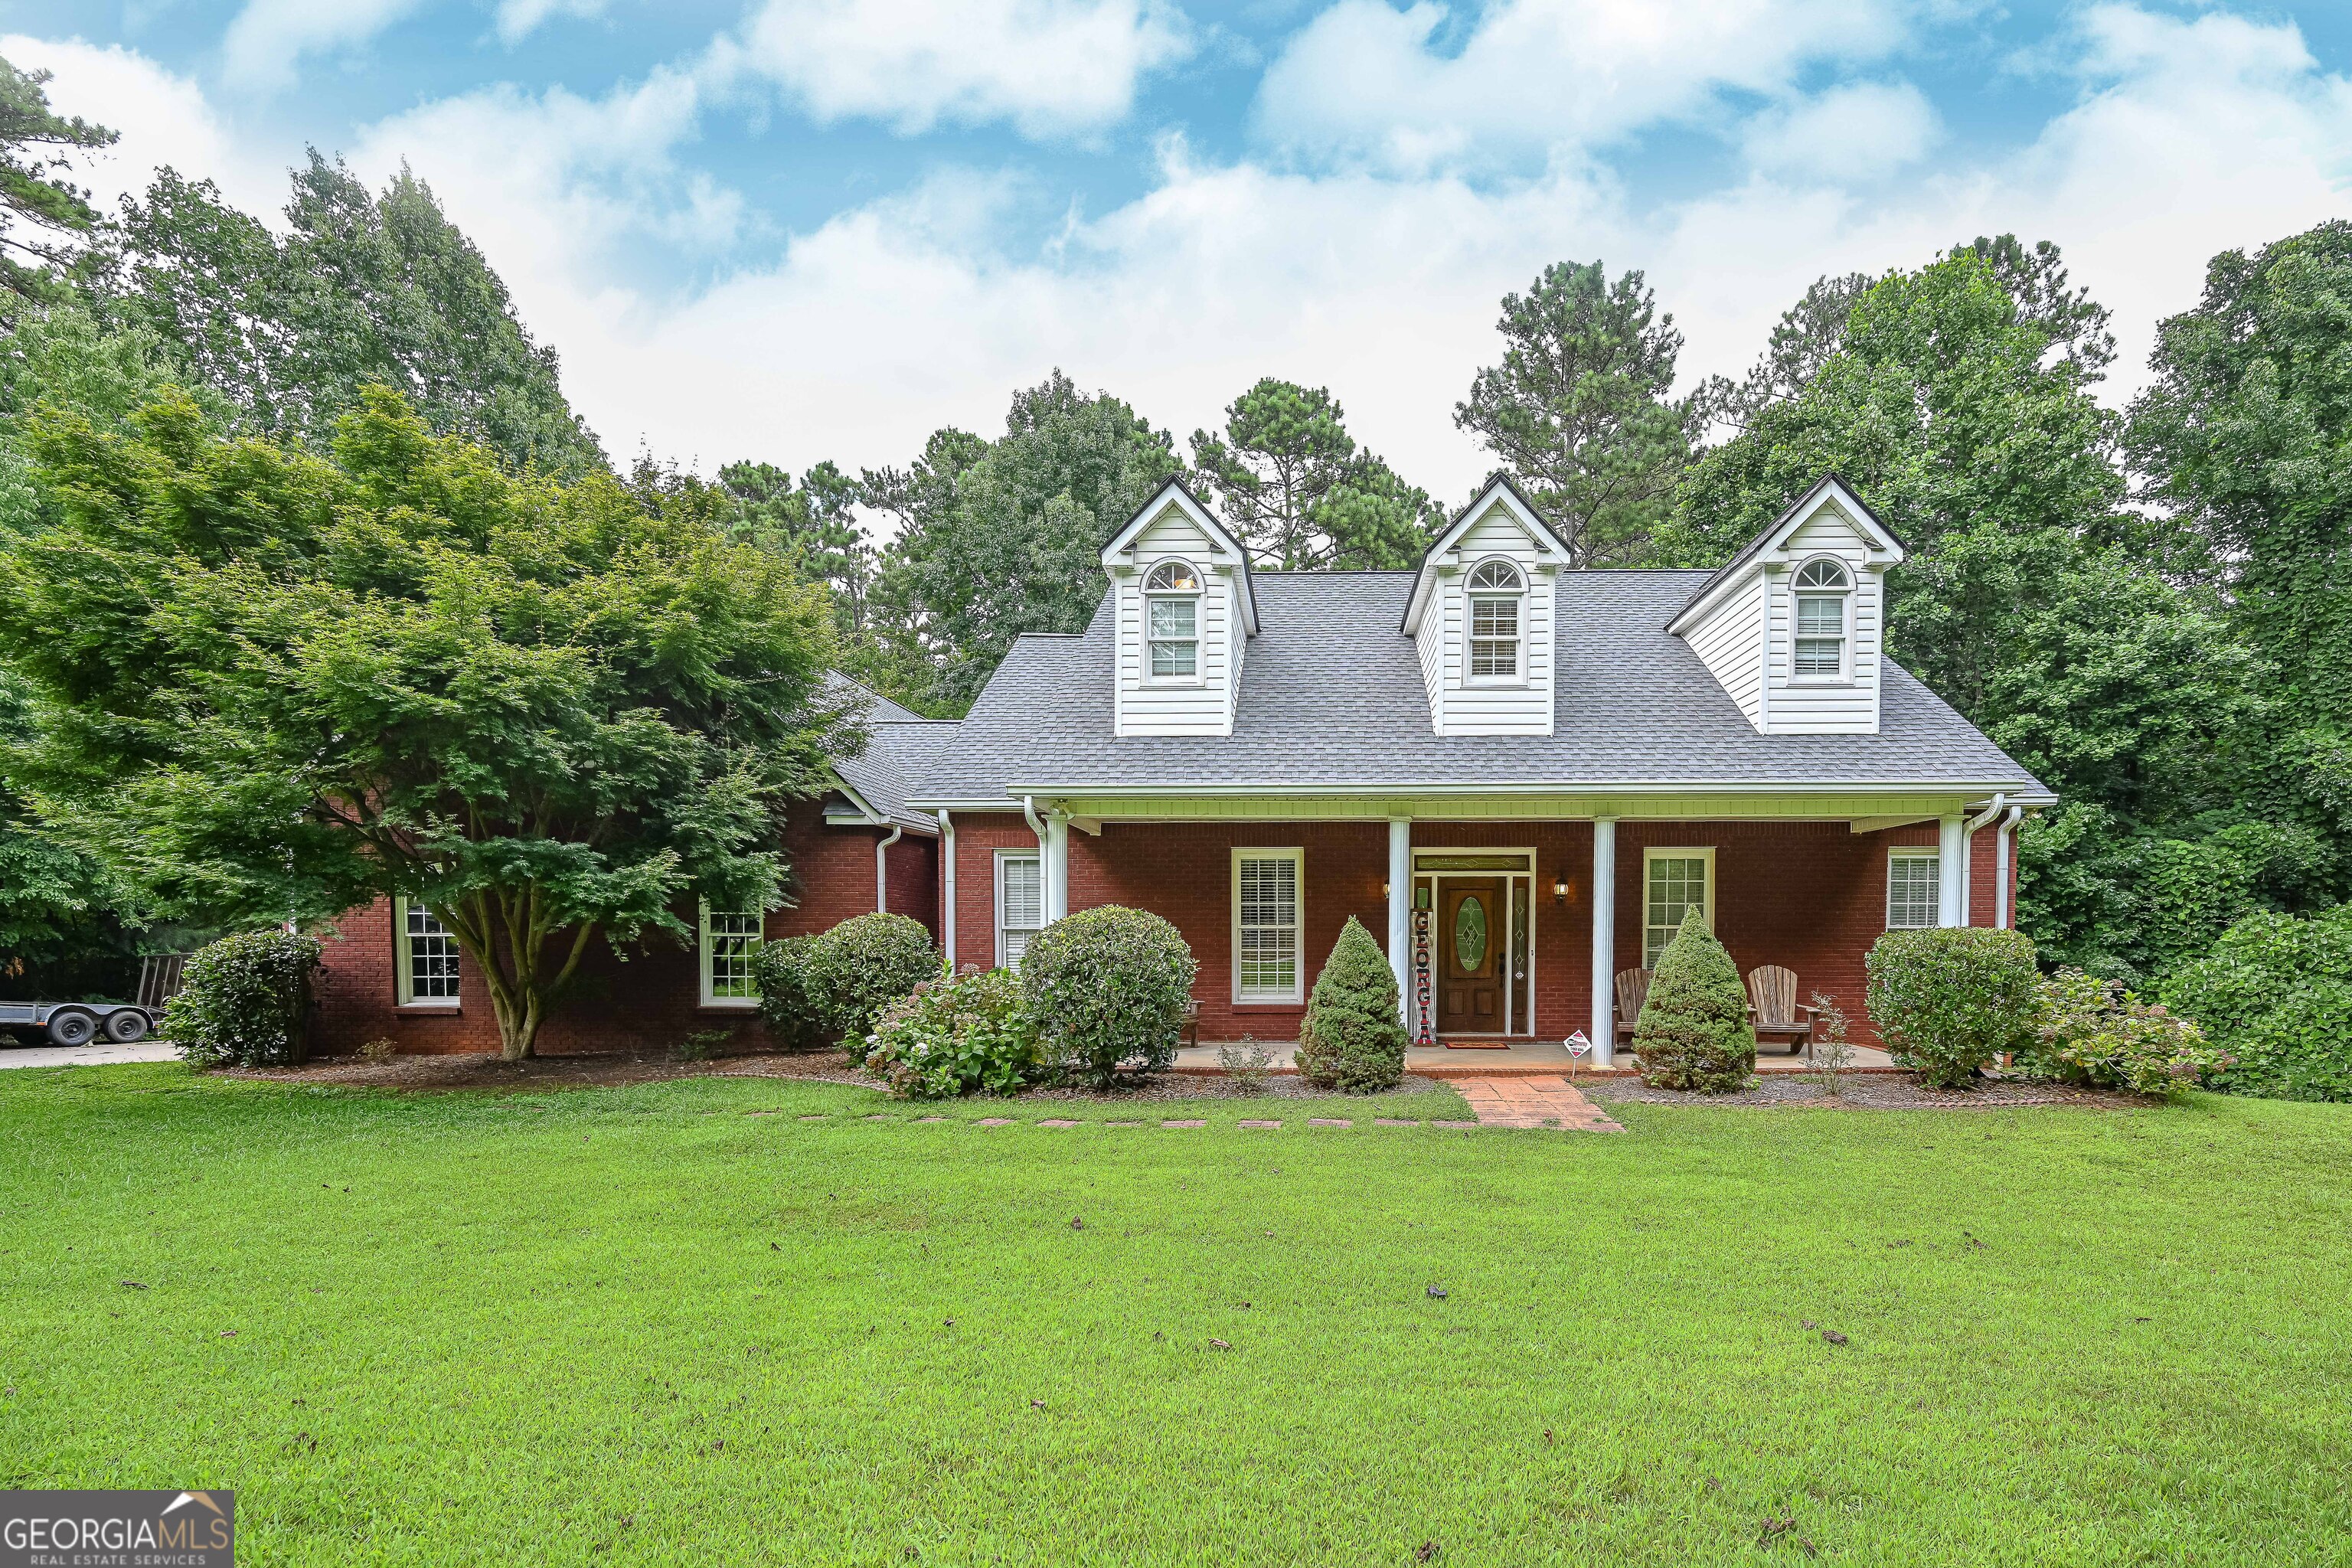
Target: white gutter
1968,842
947,893
1357,789
882,868
2002,915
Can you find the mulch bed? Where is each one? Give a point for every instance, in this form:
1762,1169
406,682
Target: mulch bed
1872,1091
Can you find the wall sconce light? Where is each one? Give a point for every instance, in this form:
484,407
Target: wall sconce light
1384,893
1559,891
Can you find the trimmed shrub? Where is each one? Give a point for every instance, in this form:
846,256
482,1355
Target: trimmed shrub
848,977
244,1002
1694,1032
785,1004
1352,1038
2276,995
956,1037
1109,987
2095,1033
1947,1001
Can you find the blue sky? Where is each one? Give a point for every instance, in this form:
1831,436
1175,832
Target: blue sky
798,229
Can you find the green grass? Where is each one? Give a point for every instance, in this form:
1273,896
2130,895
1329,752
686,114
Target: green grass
645,1325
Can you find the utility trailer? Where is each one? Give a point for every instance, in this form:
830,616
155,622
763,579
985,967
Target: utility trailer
79,1022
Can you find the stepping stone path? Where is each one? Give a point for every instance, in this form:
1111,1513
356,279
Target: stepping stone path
1184,1125
1327,1121
993,1121
1057,1124
1531,1102
1272,1124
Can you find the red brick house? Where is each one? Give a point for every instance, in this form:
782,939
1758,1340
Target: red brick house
1519,774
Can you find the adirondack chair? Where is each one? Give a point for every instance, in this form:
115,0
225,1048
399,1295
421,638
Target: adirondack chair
1772,1008
1192,1033
1632,990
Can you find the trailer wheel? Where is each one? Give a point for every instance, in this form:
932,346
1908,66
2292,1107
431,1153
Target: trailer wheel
126,1025
72,1027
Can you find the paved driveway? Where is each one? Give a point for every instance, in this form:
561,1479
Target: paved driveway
98,1053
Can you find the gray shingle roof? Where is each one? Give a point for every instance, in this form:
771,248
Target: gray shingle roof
1332,694
898,756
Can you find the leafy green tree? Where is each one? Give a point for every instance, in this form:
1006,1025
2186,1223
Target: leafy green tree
1577,410
814,522
1300,494
279,685
2037,279
45,219
366,291
1802,341
1000,538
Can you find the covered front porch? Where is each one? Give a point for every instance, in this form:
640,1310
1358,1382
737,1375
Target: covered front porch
1509,920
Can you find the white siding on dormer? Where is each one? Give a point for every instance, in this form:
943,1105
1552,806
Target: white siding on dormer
1200,707
1456,705
1730,643
1846,707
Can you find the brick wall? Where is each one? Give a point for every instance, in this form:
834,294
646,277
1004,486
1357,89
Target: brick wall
979,836
641,996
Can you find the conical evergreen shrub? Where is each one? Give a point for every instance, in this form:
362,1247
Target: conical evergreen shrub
1351,1038
1694,1031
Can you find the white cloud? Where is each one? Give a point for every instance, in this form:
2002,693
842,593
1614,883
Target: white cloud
1364,82
517,19
162,118
1048,67
269,37
1858,132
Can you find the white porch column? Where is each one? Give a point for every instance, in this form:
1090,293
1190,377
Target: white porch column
1951,871
1057,865
1604,941
1400,911
947,889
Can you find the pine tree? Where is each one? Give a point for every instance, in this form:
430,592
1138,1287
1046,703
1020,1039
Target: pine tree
1352,1037
1694,1031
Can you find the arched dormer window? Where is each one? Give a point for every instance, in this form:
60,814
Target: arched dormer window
1171,609
1497,595
1824,591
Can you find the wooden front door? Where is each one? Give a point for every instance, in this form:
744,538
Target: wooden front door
1472,925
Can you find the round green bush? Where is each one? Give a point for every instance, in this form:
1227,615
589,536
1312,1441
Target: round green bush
2277,995
1109,987
955,1036
785,1004
855,971
1947,1001
245,1001
1694,1032
1351,1038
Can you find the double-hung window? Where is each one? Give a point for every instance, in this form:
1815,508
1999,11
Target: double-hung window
1172,608
1676,883
425,961
1020,904
1269,959
730,957
1915,887
1498,594
1823,590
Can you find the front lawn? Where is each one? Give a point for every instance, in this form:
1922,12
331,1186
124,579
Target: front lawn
651,1324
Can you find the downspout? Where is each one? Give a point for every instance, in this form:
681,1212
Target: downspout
2001,911
1967,857
882,868
947,891
1029,810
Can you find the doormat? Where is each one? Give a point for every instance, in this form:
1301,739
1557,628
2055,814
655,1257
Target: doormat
1478,1044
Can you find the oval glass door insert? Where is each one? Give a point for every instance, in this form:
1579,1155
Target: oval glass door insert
1470,935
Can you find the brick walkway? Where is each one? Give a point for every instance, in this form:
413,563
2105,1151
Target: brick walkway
1532,1102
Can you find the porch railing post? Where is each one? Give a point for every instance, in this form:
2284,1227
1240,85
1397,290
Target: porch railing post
1604,941
1401,913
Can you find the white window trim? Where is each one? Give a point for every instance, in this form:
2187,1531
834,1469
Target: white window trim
1001,855
403,975
1678,852
1199,597
1934,857
1470,640
1845,597
707,955
1297,992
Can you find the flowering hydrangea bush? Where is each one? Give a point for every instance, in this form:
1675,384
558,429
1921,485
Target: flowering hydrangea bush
971,1034
2094,1032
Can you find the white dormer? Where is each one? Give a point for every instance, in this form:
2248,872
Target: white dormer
1793,627
1481,617
1184,612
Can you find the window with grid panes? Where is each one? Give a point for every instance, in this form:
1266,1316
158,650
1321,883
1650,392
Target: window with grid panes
1266,934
